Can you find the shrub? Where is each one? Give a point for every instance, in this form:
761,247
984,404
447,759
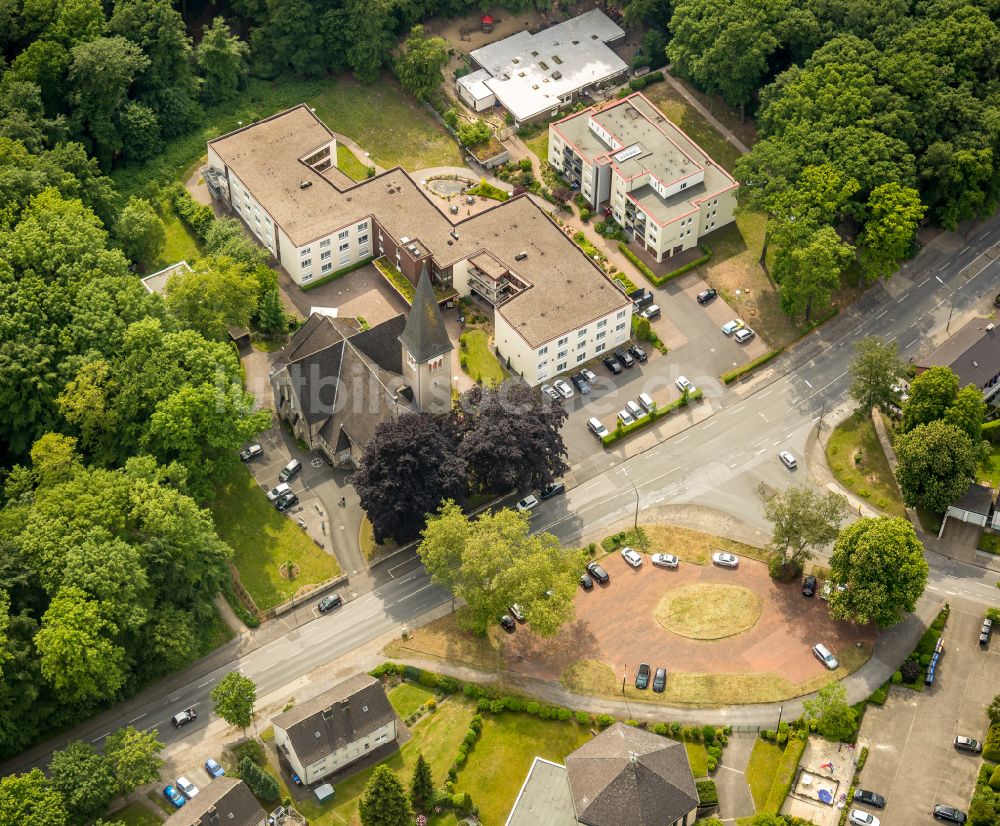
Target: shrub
387,669
252,750
708,795
498,705
564,713
198,217
862,759
991,748
429,679
483,704
661,728
604,720
476,723
462,802
714,751
995,779
449,685
910,671
261,783
412,673
739,372
879,695
633,723
532,707
675,729
473,691
470,738
515,704
708,734
711,763
583,718
431,704
897,677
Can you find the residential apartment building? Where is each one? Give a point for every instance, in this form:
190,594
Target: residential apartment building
513,255
337,728
223,802
658,184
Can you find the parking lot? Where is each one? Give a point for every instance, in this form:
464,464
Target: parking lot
697,350
912,761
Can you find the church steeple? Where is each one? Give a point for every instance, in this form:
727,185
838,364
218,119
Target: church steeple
425,336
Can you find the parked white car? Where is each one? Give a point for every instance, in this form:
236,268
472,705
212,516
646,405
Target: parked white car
279,491
665,560
861,818
187,788
683,384
564,389
632,557
589,375
725,560
731,327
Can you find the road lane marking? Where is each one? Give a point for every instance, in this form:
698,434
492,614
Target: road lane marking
762,395
683,439
938,279
207,682
761,451
775,444
908,346
901,300
807,382
928,278
711,424
97,739
881,314
964,249
139,717
428,585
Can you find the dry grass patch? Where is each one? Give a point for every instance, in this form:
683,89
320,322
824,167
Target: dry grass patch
442,639
695,546
708,611
709,690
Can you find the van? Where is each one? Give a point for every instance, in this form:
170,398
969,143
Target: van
292,469
824,656
647,403
594,426
636,411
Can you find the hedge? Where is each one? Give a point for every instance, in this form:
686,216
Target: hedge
657,413
995,780
660,280
991,430
326,279
708,795
263,784
879,695
198,217
991,748
739,372
783,778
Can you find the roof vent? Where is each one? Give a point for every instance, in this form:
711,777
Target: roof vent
305,184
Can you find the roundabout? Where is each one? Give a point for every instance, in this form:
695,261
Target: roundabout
708,611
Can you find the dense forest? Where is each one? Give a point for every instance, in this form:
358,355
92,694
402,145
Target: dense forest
119,410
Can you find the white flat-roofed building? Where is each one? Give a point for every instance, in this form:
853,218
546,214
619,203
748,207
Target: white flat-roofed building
532,75
474,92
659,184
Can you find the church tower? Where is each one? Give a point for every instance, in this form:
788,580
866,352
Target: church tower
426,350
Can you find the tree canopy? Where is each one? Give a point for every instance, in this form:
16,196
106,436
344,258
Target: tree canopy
936,464
234,697
875,371
881,562
419,65
804,520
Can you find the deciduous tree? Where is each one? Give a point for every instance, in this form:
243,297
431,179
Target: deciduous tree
967,412
31,800
931,394
84,779
894,213
804,520
384,801
234,697
134,757
495,560
936,464
219,293
876,369
419,65
140,231
222,58
881,562
835,719
408,468
808,267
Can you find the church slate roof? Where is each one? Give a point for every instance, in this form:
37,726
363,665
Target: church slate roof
425,335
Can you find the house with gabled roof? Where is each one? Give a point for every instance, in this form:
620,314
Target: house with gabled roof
623,777
335,729
225,801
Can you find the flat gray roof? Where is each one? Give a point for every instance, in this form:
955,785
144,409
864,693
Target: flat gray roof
531,72
475,83
656,146
157,282
545,798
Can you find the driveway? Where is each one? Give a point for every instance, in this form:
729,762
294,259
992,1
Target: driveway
616,624
911,760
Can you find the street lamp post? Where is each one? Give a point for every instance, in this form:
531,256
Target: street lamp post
635,524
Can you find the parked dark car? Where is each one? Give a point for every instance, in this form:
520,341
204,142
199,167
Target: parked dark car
290,471
507,622
625,358
869,798
598,573
613,365
637,352
660,680
967,744
552,490
642,676
586,582
949,814
580,383
707,295
286,501
809,586
330,602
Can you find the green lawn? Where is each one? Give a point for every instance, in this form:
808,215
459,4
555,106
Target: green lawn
859,463
989,471
540,146
349,164
478,360
499,762
263,539
181,244
763,768
381,118
436,736
698,758
407,698
135,814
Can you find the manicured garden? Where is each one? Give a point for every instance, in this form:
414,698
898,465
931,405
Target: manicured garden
477,360
858,462
263,539
406,698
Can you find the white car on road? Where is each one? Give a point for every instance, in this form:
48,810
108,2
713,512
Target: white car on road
665,560
631,557
527,505
564,389
726,560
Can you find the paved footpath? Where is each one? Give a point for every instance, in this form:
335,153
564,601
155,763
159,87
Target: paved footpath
735,799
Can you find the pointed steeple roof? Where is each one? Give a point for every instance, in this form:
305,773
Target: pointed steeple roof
424,336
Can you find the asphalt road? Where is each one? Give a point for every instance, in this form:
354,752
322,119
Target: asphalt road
718,462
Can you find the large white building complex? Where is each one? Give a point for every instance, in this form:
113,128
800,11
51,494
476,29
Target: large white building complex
532,75
659,184
554,307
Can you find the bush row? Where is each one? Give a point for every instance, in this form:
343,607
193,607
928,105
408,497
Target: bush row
637,84
635,538
879,695
991,748
660,280
468,742
739,372
785,775
657,412
263,784
198,217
